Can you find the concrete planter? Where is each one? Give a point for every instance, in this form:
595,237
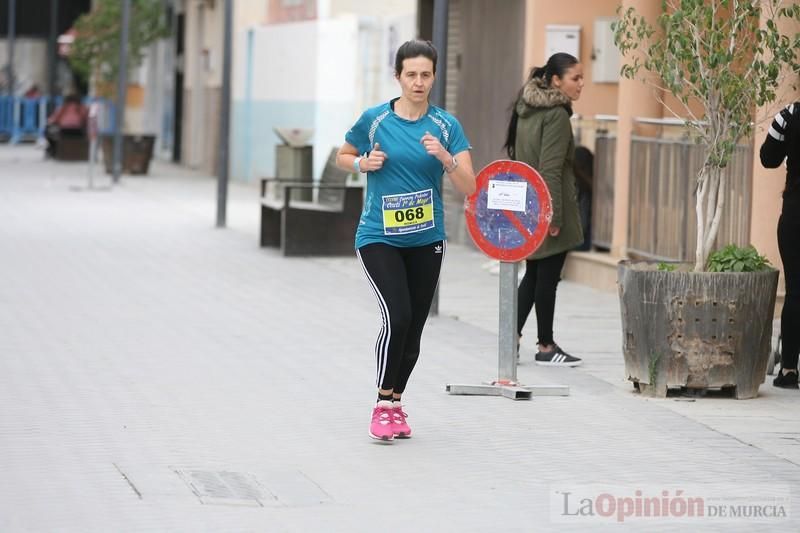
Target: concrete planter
137,151
696,330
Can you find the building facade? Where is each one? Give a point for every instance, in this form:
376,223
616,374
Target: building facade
643,162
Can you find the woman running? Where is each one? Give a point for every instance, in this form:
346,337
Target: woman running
404,146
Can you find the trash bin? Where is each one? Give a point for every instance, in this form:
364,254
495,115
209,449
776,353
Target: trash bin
294,158
139,152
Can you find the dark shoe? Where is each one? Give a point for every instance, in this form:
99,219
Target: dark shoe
557,357
786,381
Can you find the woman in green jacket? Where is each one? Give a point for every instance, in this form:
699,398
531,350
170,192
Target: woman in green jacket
540,134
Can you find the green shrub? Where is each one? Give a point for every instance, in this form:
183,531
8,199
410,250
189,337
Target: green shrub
96,46
733,258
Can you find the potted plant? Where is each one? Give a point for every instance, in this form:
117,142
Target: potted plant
95,54
705,325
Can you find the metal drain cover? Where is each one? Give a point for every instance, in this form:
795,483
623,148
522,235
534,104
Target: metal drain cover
225,488
285,488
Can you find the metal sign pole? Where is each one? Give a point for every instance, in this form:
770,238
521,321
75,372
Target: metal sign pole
52,47
122,88
92,129
506,384
507,348
12,36
225,108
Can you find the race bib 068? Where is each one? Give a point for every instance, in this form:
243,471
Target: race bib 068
408,213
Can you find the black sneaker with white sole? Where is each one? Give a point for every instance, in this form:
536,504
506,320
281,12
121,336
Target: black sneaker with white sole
557,357
785,381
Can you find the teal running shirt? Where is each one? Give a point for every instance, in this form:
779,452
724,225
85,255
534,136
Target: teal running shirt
403,205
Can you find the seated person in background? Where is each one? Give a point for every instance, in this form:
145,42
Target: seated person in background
33,92
69,120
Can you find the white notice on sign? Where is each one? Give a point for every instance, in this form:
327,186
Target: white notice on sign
507,195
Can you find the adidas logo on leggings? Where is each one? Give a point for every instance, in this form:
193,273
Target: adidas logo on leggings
437,249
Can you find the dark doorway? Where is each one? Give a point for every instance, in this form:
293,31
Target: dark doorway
491,72
33,16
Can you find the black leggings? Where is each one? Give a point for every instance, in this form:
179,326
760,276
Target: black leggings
539,286
789,247
404,280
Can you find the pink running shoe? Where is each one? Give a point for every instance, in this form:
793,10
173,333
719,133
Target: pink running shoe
399,424
381,427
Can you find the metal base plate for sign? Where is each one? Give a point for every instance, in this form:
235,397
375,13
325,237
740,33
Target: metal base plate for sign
512,390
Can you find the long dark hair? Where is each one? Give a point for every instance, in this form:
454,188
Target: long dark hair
557,65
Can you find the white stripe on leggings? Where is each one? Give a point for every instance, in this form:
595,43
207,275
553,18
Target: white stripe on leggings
385,335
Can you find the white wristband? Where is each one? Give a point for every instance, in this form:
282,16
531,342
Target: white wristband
357,163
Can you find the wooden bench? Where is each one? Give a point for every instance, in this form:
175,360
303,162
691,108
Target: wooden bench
324,225
72,148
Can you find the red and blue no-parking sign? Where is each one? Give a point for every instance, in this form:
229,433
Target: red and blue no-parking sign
509,213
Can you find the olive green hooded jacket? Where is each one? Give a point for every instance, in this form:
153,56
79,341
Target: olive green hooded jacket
545,142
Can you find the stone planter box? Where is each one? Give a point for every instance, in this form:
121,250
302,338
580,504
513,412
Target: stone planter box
137,151
696,330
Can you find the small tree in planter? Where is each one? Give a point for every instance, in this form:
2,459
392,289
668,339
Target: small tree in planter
96,47
714,54
95,53
684,328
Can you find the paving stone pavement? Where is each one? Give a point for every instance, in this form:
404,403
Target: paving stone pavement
160,374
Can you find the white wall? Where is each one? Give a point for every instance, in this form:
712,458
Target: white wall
30,62
284,62
158,78
318,74
371,8
335,85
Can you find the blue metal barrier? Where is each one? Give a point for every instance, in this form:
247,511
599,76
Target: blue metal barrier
6,117
31,114
25,119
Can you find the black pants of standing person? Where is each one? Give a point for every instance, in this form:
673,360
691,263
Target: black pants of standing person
404,280
789,247
538,287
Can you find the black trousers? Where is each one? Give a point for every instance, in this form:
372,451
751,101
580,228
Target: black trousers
789,247
403,280
538,287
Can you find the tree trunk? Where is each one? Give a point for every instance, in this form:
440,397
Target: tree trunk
711,234
708,209
702,190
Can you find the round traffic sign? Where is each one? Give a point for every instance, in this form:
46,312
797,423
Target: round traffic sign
509,213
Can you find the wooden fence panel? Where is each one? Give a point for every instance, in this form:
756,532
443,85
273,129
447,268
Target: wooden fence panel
662,221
